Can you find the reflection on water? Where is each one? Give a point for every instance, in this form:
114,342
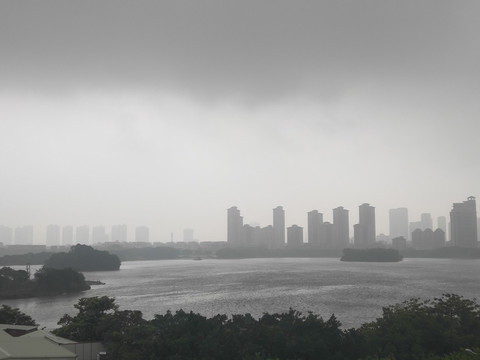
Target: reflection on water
354,292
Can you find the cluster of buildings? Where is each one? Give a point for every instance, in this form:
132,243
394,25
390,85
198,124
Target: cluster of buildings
68,235
419,235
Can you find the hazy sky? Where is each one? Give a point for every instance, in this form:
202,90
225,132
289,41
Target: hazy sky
166,113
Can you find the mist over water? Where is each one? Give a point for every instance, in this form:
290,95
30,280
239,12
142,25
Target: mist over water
354,292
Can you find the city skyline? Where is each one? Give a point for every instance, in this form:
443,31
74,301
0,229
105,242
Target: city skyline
167,113
398,221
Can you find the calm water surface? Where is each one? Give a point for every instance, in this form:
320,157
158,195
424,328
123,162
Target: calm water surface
354,292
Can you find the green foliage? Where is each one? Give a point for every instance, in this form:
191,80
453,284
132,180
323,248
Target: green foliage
22,259
92,321
16,283
418,329
84,258
54,281
14,316
439,329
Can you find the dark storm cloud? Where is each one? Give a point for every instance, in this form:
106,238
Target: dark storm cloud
234,49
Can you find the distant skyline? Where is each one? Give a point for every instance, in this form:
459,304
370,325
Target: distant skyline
166,114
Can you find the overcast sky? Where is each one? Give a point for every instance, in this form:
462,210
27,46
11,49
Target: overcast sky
166,113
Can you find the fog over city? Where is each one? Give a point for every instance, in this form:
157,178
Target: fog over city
166,113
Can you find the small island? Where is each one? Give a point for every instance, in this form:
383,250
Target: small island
371,255
84,258
16,284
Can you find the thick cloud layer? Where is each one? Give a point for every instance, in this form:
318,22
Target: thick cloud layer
168,112
235,49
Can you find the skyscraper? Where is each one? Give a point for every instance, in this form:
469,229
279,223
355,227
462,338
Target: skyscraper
279,226
315,221
82,235
142,234
67,235
295,236
341,228
187,235
99,235
119,233
463,220
442,223
398,219
6,235
234,226
364,231
24,235
426,220
53,235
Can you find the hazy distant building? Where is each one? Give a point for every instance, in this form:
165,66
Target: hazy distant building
142,234
82,235
6,235
442,223
463,219
315,222
428,239
328,235
119,233
53,235
478,229
439,238
426,221
67,235
234,226
341,228
294,236
399,243
188,235
364,231
99,234
279,226
23,235
414,225
398,221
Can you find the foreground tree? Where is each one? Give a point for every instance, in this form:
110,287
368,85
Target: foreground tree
14,316
418,329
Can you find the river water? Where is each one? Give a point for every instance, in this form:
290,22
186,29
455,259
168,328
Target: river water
355,292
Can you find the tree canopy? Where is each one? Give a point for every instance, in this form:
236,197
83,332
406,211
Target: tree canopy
84,258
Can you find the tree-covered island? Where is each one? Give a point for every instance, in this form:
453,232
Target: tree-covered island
371,255
16,284
84,258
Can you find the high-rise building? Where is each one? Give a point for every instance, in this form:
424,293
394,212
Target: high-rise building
119,233
142,234
82,235
414,225
399,243
295,236
398,219
279,226
315,222
187,235
99,234
6,235
23,235
67,235
234,226
53,235
366,226
463,219
341,228
442,223
426,221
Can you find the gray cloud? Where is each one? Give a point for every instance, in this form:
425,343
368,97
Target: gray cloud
234,49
